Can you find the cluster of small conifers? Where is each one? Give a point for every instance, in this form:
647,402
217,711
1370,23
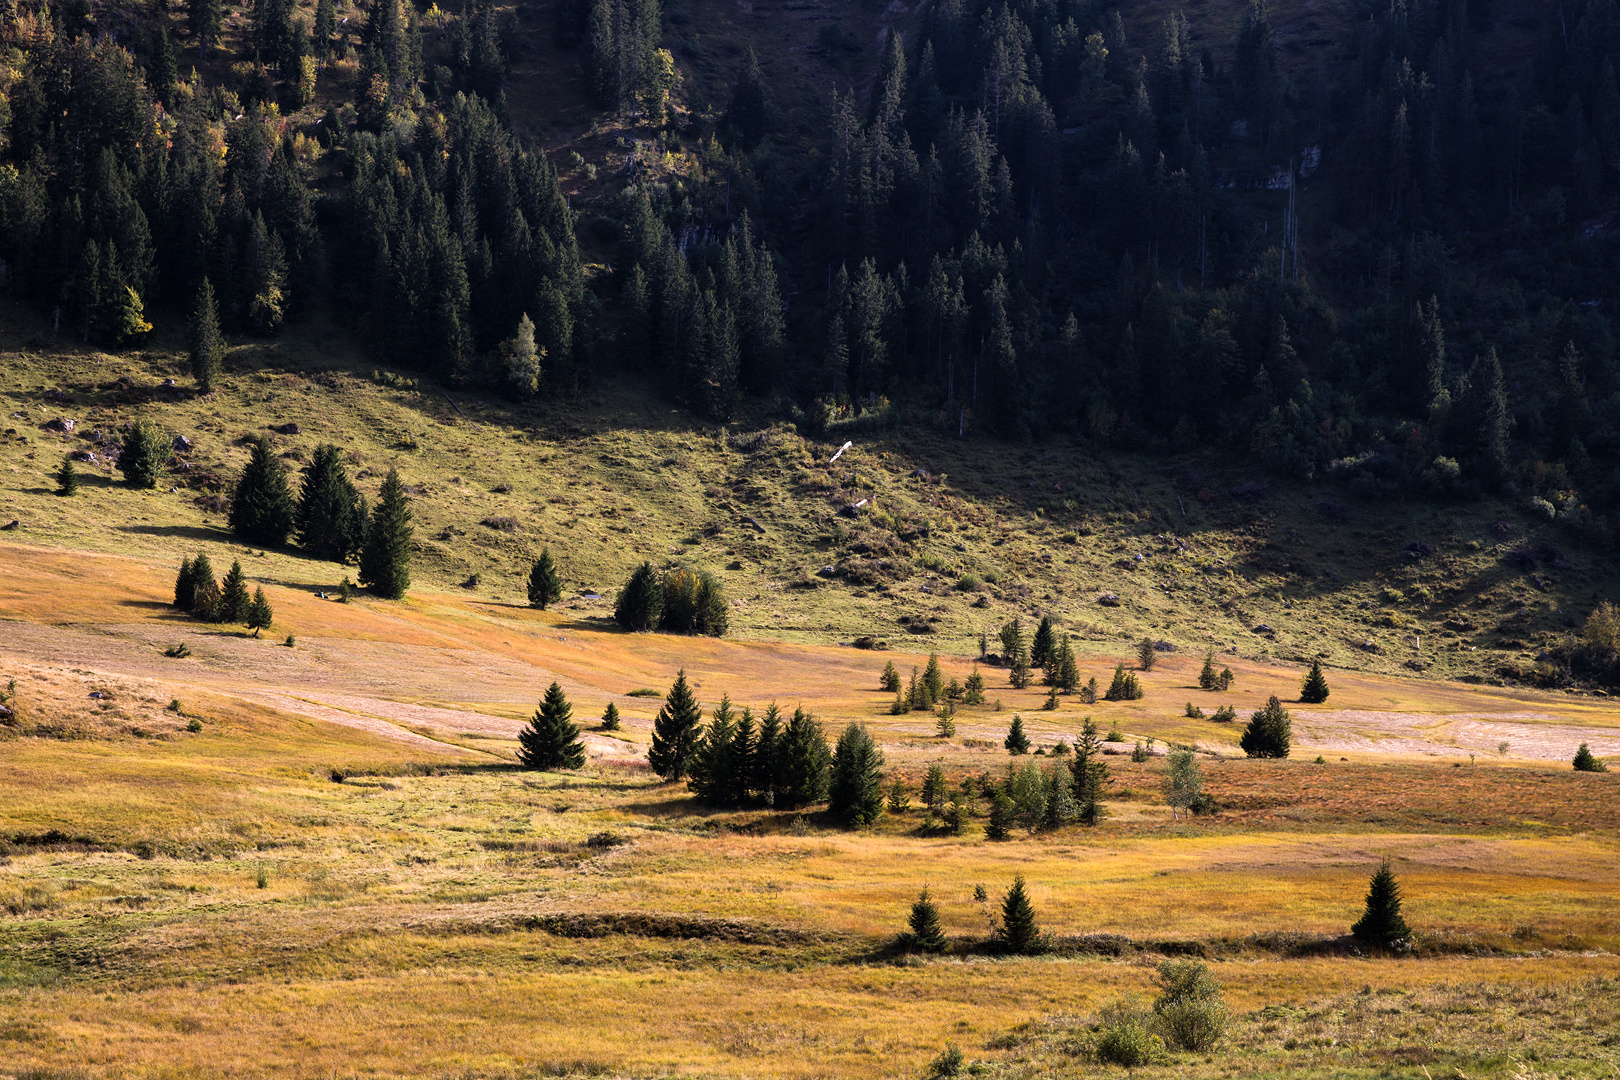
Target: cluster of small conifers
223,601
1189,1013
682,601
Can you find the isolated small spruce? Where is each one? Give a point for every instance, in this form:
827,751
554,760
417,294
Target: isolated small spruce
1585,762
1146,655
1019,932
933,788
330,517
899,799
551,741
1051,703
67,478
1381,924
1314,690
945,720
385,560
1207,678
145,450
901,704
1269,732
1016,742
933,679
259,616
1088,692
1018,677
233,595
926,933
610,717
890,680
545,587
262,509
675,731
1224,680
973,691
1042,646
855,791
1068,671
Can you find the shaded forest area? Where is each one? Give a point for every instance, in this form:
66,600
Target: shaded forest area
1392,270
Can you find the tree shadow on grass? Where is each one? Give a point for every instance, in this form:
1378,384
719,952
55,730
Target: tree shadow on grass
189,532
153,605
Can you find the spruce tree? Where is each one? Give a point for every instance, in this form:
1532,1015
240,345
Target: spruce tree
1040,649
206,342
933,680
767,768
1146,655
640,604
67,478
610,717
1207,679
545,587
1124,687
262,509
1585,762
926,933
933,788
142,457
1269,732
385,559
259,615
711,767
675,731
855,794
1018,678
1381,924
205,596
1068,671
330,515
805,760
741,782
1000,824
551,741
1314,690
233,595
1019,933
185,585
1016,742
890,680
974,692
1061,807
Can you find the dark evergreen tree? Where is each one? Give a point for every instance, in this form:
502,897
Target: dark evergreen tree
1381,924
207,19
206,342
1207,678
713,768
1124,687
1016,742
206,602
67,477
855,793
933,680
973,691
1000,824
185,584
385,557
142,458
926,933
933,788
1040,649
640,605
768,766
805,760
1586,762
1090,773
1268,733
675,730
748,112
330,515
1314,690
1019,933
890,680
545,587
610,717
1146,654
551,740
259,614
233,595
262,509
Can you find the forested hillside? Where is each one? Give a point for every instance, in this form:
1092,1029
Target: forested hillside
1375,248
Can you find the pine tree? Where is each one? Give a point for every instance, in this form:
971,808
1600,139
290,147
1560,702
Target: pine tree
933,788
1061,807
675,731
1268,733
640,605
1068,671
1586,762
67,477
711,768
545,587
933,680
1314,690
742,783
974,693
385,559
1381,924
1052,702
1088,692
1016,742
1146,655
206,342
1090,773
206,603
1125,686
233,595
143,455
521,358
768,767
185,585
259,615
610,717
1224,680
551,741
330,515
890,679
805,760
926,933
1000,824
1207,679
1019,933
945,725
262,509
207,18
1040,649
1018,678
855,793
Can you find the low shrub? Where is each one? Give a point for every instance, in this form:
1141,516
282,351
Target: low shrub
1125,1036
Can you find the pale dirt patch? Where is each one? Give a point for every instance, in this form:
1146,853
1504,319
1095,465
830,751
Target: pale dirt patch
1442,735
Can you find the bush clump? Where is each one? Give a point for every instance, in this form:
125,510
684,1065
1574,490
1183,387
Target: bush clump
1191,1012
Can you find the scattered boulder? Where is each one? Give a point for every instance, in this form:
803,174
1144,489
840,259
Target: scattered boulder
1263,628
11,525
1108,599
62,424
168,384
1417,550
1163,646
288,428
61,397
182,445
826,572
86,456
